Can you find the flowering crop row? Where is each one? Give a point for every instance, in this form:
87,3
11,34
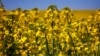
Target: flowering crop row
56,33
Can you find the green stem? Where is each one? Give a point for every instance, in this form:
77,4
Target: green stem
47,48
72,43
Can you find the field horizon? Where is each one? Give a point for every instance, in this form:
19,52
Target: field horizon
79,13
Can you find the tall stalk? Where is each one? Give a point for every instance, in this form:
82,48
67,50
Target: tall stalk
47,48
69,26
45,35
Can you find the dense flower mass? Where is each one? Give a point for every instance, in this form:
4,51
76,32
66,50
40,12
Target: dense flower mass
56,33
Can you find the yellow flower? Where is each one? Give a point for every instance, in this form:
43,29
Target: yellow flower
15,36
94,30
7,32
73,34
38,33
86,48
62,45
78,48
27,44
22,40
29,31
60,54
40,47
